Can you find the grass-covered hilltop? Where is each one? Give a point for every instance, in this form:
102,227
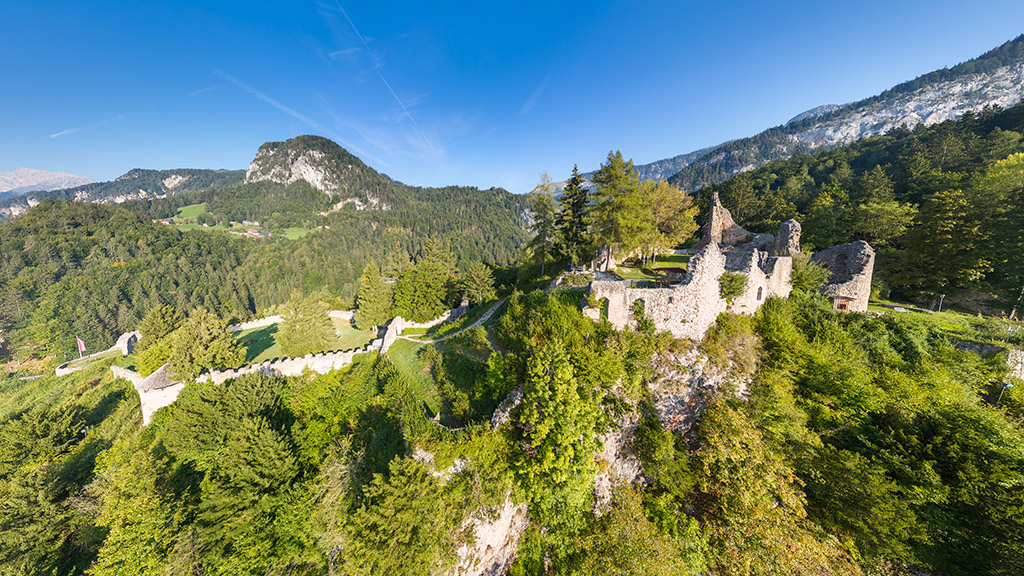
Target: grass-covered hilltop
335,373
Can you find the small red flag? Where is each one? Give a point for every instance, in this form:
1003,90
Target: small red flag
81,345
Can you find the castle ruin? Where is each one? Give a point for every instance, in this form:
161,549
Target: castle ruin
765,262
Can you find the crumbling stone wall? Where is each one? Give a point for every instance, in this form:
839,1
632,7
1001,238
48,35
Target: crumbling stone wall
721,228
688,309
1015,360
851,267
787,241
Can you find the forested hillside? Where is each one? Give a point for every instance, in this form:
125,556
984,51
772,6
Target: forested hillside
943,206
137,183
864,446
994,78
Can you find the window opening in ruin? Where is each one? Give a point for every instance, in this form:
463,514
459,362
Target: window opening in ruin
760,290
841,305
604,308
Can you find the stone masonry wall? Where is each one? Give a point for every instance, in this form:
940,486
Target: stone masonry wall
687,310
851,266
1015,360
321,363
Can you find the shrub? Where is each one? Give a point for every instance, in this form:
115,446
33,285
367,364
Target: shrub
731,285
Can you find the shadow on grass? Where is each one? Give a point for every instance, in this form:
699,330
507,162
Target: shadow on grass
258,341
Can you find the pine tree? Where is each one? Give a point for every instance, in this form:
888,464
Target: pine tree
573,220
373,302
306,327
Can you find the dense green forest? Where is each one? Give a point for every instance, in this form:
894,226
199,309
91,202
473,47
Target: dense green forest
92,271
942,205
865,445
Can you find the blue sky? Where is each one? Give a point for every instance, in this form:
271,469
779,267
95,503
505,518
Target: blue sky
475,93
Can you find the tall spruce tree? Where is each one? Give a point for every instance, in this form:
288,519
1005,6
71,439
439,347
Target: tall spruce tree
373,302
573,220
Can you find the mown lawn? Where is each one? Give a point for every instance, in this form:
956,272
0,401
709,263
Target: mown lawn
260,343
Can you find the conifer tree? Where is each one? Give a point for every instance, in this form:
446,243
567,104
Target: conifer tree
573,220
373,302
201,343
306,327
478,283
544,225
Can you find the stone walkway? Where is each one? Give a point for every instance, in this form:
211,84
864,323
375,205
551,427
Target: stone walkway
487,316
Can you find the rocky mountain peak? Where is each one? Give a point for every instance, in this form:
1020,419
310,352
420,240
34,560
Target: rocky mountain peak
319,161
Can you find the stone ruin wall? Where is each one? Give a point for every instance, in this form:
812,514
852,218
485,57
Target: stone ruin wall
851,266
321,363
1015,361
687,310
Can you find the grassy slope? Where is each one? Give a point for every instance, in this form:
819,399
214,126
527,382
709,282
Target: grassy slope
261,345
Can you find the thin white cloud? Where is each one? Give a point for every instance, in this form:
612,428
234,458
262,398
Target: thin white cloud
67,132
532,100
202,90
377,65
344,52
298,116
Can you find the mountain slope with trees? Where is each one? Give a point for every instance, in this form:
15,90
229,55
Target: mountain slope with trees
942,205
994,78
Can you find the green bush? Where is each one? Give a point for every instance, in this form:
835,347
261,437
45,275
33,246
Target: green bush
731,284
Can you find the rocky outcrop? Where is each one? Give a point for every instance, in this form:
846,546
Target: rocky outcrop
495,541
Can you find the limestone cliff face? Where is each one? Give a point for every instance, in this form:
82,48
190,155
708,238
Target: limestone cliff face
287,165
993,79
325,166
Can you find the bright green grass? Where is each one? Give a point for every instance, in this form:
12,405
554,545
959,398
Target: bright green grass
191,212
350,337
405,355
668,261
261,345
293,233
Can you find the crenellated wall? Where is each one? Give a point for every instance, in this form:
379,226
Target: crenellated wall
321,363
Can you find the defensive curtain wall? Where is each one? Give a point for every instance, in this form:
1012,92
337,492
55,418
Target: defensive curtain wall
688,309
159,389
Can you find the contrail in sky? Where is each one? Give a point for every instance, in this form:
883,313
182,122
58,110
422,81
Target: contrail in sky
294,114
385,80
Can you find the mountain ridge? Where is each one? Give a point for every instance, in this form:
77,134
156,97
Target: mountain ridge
993,78
23,180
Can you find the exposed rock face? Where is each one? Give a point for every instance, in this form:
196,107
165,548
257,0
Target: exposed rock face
25,180
851,266
496,541
681,381
787,241
308,165
616,461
